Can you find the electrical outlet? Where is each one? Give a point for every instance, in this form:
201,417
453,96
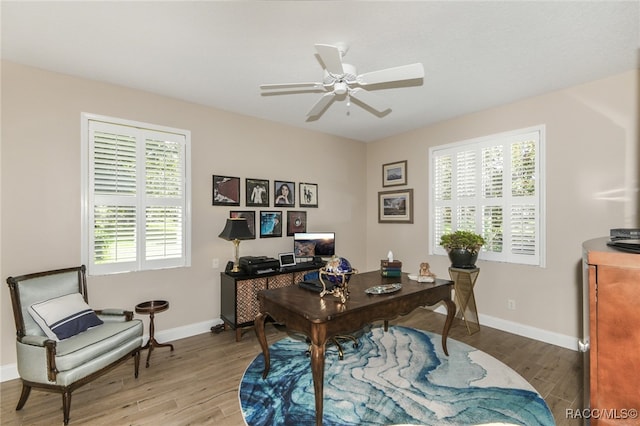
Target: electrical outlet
511,304
215,264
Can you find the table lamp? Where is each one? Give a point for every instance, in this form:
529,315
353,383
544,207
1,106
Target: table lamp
236,229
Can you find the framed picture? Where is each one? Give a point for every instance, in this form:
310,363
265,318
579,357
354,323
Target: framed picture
395,206
284,193
394,173
257,192
296,222
270,224
226,191
249,215
308,194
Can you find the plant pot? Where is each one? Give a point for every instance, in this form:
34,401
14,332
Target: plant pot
461,258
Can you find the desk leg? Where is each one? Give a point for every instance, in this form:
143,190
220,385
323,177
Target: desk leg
262,338
451,313
317,369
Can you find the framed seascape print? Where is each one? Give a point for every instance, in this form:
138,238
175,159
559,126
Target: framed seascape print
395,206
296,222
257,192
249,215
284,193
270,224
308,194
394,173
226,191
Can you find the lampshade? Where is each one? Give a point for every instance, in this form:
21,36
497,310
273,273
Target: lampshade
236,229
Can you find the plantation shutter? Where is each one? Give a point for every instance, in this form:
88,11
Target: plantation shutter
138,198
490,186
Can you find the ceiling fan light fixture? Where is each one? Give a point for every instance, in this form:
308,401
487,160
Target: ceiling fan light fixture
341,81
340,88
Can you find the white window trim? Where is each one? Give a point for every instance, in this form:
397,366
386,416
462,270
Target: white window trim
85,199
433,246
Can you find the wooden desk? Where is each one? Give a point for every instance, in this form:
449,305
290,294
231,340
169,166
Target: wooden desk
322,318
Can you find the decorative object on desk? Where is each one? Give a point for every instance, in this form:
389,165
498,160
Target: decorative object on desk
384,288
308,194
337,272
390,256
462,247
399,376
250,215
270,224
296,222
390,268
226,191
394,173
257,192
287,259
236,229
425,275
284,194
395,206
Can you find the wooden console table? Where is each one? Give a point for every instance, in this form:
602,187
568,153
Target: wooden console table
465,280
320,319
239,294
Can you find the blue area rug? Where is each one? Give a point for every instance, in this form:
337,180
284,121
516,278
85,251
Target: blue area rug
400,376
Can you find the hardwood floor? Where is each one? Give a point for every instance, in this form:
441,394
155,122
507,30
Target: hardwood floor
198,382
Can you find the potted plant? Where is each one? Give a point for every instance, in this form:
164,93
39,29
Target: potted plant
462,247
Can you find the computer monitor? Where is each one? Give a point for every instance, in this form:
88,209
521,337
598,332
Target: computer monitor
310,244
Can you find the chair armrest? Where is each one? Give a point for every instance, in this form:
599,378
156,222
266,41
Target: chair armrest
37,359
114,315
34,340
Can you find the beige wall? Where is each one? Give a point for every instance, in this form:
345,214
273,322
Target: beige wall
592,174
592,183
41,189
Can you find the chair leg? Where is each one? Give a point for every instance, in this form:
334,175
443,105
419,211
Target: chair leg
336,341
26,391
136,363
66,405
339,346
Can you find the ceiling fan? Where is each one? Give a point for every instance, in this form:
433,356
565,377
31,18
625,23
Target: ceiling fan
341,81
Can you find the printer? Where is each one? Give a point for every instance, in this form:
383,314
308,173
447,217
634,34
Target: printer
256,265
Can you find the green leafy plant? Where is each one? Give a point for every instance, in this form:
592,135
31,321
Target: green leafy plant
465,240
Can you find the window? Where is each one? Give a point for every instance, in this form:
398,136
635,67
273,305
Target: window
493,186
136,196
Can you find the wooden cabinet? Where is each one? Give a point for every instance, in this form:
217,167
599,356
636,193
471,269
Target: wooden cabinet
614,333
239,295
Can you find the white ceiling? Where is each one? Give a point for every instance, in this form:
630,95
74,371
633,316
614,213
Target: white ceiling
476,54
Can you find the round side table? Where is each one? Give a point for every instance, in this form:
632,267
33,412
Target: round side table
151,308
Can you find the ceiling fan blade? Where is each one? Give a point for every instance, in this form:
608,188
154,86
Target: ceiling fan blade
369,99
331,57
320,106
405,72
277,86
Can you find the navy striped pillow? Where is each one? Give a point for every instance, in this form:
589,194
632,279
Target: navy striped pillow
64,316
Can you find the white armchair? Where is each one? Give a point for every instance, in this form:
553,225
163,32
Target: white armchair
61,343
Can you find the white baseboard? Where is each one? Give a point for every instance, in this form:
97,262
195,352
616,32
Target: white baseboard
539,334
10,371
